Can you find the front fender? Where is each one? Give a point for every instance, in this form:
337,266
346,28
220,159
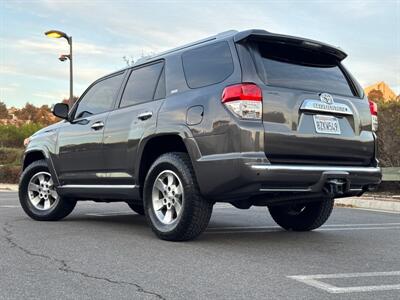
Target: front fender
44,143
35,153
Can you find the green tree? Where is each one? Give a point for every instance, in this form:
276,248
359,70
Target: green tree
3,111
27,113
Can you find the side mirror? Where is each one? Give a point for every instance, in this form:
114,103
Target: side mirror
61,110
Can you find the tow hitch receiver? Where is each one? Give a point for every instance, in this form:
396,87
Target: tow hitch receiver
336,187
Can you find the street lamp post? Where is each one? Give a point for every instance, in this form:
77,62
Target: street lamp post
59,34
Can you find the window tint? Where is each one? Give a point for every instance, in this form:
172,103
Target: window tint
99,98
141,85
207,65
299,68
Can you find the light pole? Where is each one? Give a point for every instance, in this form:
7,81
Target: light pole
59,34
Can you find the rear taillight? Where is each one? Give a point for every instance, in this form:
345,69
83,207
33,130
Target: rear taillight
244,100
373,107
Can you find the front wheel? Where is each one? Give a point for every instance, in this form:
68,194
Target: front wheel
302,217
174,207
38,196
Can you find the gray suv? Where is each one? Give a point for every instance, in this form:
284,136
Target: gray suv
248,118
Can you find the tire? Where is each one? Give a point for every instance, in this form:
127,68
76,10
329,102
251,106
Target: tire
190,212
45,209
137,208
302,217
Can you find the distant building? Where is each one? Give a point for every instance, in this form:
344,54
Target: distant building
387,92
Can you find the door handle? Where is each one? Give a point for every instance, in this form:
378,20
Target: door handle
97,125
145,115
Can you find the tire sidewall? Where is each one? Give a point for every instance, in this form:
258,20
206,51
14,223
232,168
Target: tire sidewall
27,206
315,215
168,162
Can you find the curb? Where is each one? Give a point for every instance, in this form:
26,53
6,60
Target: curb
8,187
371,203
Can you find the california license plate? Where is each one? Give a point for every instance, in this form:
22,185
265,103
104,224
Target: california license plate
326,124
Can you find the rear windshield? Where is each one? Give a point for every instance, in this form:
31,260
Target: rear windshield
300,68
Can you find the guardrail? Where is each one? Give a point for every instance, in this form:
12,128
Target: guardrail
391,174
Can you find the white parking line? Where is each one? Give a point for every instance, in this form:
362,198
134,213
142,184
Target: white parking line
312,280
216,230
375,210
9,206
328,225
115,213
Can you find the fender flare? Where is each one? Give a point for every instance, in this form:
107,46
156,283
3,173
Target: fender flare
48,159
178,130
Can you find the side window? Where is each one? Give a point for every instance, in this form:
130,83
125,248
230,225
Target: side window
207,65
99,98
141,85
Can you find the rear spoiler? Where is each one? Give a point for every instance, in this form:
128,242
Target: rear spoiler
258,34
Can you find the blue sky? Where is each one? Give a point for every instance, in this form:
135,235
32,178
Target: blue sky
105,31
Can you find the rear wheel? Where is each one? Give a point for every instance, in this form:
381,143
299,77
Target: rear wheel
174,207
38,196
302,217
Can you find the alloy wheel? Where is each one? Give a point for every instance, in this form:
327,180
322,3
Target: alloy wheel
167,197
41,191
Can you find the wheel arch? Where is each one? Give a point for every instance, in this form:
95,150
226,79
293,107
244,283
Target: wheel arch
160,143
36,154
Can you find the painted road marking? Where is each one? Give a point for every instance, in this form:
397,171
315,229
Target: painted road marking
374,210
9,206
216,230
328,225
315,281
116,213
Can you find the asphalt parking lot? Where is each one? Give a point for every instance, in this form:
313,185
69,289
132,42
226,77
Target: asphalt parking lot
105,251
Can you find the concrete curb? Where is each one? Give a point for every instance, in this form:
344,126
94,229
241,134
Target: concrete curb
8,187
370,203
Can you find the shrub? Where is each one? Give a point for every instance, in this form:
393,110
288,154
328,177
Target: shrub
11,156
13,136
9,174
389,133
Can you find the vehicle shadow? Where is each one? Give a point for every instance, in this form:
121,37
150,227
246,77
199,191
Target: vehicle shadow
220,234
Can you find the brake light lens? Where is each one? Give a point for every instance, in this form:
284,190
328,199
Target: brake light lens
243,100
373,107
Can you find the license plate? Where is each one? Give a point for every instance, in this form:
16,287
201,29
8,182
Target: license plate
326,124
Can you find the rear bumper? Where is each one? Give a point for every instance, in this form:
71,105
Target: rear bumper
304,178
235,177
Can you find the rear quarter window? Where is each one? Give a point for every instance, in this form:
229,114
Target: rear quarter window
299,68
207,65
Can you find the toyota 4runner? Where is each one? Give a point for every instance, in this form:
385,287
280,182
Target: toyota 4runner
248,118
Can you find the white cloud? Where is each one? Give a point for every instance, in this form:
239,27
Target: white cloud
55,96
42,46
